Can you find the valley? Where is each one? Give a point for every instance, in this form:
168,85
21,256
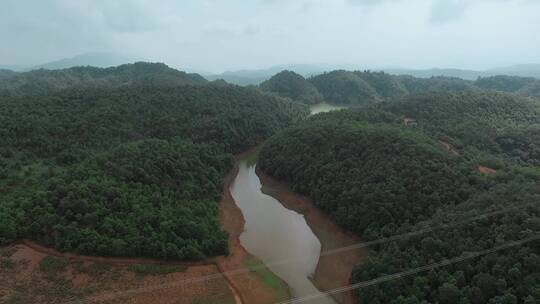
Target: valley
272,214
168,185
270,152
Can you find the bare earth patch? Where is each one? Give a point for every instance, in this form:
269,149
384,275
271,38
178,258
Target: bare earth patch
450,148
35,277
31,273
334,269
486,170
408,121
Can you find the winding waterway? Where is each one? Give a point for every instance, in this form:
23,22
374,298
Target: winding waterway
279,232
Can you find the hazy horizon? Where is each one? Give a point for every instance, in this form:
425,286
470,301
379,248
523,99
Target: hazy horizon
214,36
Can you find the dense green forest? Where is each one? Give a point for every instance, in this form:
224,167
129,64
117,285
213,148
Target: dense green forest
504,83
367,87
493,122
412,163
291,85
338,87
532,89
140,73
343,87
6,73
130,171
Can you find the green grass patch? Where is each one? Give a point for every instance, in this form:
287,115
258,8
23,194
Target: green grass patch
51,263
268,277
155,269
93,269
251,158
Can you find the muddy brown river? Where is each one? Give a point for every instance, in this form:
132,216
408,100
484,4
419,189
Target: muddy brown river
288,234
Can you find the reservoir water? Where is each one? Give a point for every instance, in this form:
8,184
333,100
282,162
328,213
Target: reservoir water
282,237
324,107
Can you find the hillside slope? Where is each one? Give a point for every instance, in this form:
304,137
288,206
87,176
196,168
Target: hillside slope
140,73
424,161
366,87
493,123
291,85
134,171
344,87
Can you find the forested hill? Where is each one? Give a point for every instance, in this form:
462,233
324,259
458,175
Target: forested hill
294,86
343,87
359,88
140,73
6,73
424,161
131,171
492,123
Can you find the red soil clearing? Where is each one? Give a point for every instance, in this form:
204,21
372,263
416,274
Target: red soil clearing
450,148
236,283
486,170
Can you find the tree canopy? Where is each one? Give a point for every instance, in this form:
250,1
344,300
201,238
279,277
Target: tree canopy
134,170
366,87
413,163
291,85
140,73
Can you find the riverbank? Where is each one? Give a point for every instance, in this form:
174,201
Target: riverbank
333,270
251,286
240,277
29,274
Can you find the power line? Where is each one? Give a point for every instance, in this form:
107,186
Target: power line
446,262
418,232
323,253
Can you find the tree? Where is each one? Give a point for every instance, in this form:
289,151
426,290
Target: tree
449,294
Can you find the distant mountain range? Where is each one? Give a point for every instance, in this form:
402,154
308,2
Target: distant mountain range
522,70
256,77
100,60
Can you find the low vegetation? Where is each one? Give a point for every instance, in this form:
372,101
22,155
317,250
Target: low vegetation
56,280
156,269
269,278
52,263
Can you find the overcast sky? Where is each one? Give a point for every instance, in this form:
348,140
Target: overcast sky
217,35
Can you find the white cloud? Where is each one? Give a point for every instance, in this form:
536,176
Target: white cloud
218,35
445,11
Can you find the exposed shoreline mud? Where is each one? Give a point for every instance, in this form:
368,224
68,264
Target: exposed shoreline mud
250,288
333,270
245,286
